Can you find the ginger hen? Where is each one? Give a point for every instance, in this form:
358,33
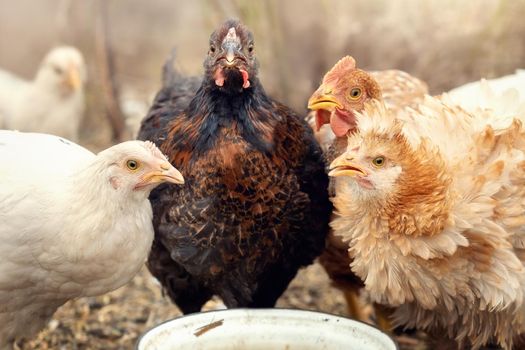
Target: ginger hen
255,205
431,202
343,92
345,89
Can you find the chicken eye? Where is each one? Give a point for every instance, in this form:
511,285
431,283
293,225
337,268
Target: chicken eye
355,93
250,48
378,161
132,164
58,70
212,49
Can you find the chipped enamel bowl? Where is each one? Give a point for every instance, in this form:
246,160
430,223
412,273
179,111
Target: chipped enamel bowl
262,329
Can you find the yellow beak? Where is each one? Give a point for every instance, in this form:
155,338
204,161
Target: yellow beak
324,100
73,78
166,173
343,166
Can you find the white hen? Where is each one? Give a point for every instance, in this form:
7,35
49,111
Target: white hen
53,102
505,96
72,224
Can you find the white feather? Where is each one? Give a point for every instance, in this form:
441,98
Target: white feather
505,96
65,232
46,104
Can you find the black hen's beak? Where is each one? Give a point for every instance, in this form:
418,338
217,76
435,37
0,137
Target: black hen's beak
231,45
231,72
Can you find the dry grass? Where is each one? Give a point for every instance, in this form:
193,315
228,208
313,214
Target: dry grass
114,321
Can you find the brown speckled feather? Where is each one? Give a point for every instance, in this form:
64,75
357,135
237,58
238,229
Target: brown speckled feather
254,207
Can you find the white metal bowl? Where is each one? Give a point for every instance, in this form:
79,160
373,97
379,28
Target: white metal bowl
263,329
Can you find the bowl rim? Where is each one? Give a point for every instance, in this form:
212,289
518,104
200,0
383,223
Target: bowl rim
139,339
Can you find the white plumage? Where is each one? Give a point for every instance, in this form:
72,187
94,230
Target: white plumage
53,102
72,223
505,96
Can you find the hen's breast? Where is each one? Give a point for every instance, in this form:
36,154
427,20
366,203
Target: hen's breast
236,206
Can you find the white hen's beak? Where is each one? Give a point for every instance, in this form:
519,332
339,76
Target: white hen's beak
165,173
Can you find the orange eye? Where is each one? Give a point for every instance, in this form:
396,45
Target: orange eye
355,93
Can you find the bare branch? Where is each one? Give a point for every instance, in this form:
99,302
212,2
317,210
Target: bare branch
106,67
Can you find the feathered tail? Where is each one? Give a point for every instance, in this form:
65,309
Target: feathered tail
169,73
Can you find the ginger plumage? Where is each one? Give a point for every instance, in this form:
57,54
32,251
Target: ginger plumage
345,89
431,203
343,92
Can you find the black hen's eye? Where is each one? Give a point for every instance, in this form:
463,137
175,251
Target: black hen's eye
355,93
250,48
132,164
378,161
212,49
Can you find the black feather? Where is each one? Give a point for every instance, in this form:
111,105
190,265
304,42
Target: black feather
254,208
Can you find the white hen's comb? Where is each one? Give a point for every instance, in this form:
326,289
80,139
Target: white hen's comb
154,150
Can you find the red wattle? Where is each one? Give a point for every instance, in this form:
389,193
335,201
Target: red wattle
245,77
341,122
219,77
322,117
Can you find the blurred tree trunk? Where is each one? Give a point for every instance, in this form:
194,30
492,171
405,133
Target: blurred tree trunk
106,67
63,21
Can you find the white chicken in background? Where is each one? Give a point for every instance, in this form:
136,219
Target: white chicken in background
134,107
505,96
53,102
72,224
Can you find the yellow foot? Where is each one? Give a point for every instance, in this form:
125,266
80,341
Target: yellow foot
383,317
355,309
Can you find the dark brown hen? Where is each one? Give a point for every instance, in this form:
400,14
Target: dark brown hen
255,207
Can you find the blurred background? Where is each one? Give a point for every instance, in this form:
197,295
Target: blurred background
444,42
